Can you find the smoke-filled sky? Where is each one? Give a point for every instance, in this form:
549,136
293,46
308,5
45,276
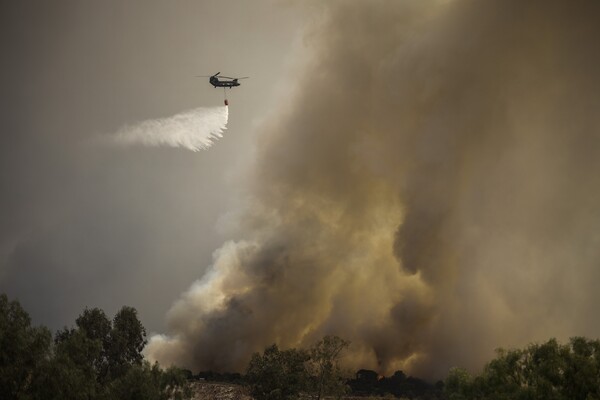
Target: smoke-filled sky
419,177
88,224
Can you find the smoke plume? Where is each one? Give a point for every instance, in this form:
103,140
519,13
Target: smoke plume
430,193
194,130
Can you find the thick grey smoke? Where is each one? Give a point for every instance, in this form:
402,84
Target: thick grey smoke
194,130
430,194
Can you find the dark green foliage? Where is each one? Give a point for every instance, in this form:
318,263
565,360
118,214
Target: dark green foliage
459,384
126,341
278,375
23,350
174,383
548,371
67,375
145,382
95,324
119,343
97,360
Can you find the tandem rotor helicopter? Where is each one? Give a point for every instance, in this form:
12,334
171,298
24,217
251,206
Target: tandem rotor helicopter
217,81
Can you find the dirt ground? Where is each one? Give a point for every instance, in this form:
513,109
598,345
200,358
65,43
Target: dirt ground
219,391
227,391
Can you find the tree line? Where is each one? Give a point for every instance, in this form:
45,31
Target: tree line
97,359
547,371
285,374
101,358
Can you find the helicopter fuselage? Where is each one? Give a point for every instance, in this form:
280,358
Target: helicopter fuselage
218,83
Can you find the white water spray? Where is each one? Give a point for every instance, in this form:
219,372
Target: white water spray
195,129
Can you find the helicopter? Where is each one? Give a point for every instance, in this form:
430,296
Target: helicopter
214,80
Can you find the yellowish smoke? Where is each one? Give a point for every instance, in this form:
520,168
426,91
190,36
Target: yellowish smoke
430,194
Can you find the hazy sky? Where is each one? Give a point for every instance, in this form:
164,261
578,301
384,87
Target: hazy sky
82,225
417,176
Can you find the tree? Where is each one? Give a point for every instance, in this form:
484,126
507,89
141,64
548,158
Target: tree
174,383
70,374
120,342
278,375
95,324
145,382
548,371
324,361
126,341
97,360
458,384
23,349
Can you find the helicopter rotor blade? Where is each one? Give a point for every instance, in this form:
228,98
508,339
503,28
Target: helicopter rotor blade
229,77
